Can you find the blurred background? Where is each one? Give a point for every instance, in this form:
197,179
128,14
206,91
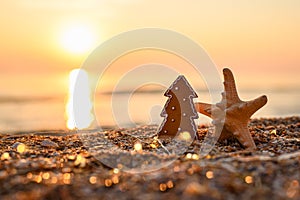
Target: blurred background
42,42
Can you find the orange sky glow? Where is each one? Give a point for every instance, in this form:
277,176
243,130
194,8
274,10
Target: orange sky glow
258,40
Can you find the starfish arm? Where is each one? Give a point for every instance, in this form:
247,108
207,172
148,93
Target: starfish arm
225,134
252,106
243,135
222,103
230,87
204,108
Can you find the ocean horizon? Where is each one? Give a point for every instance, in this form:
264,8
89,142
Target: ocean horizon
23,113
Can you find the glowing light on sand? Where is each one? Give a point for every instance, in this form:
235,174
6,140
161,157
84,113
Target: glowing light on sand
170,184
274,132
80,161
209,174
162,187
188,156
115,179
21,148
66,178
38,179
29,175
54,180
79,100
195,157
93,179
46,175
249,179
107,182
116,170
185,136
138,146
67,175
5,156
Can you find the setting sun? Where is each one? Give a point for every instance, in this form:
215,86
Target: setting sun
77,39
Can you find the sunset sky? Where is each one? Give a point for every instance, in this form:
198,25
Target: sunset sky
259,40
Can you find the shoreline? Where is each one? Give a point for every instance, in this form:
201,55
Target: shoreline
66,131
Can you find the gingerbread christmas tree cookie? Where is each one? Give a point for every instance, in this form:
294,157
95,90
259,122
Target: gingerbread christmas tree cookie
179,111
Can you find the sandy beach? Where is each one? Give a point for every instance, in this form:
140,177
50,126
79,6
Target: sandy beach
122,100
57,165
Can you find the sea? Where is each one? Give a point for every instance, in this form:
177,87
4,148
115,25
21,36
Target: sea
122,110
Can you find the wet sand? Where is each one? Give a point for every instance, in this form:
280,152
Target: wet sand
63,165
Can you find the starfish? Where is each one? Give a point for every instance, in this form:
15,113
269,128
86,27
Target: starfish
232,115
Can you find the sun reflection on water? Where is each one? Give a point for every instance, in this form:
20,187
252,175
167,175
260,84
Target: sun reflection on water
79,99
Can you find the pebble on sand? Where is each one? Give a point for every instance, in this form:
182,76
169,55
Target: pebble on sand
49,143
